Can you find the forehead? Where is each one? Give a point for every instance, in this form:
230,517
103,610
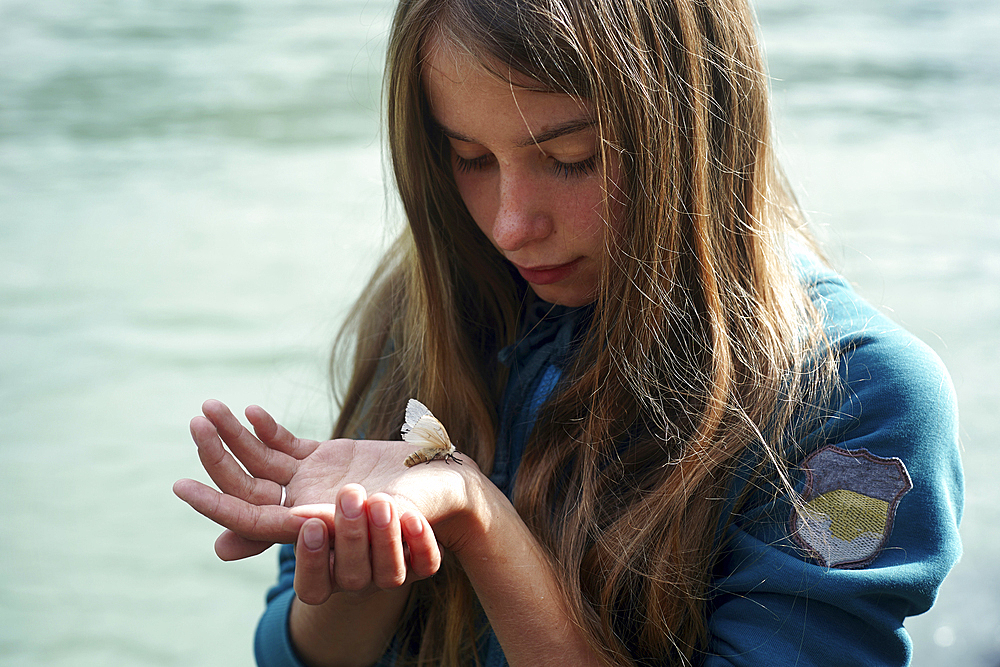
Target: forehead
442,58
461,87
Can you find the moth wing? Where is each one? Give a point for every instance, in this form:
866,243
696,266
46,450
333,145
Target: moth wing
430,432
422,427
414,411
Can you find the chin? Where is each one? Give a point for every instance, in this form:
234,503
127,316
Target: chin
564,297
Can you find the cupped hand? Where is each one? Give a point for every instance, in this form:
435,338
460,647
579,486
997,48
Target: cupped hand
330,481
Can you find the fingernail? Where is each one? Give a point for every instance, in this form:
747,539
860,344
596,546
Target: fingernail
351,505
312,535
414,526
381,513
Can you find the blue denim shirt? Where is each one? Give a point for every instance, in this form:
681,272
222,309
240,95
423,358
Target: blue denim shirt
535,362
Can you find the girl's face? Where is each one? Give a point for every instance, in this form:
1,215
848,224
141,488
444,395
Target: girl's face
527,167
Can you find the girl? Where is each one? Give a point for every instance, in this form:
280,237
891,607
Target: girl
682,439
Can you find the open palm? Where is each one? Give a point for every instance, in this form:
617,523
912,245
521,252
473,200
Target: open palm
312,472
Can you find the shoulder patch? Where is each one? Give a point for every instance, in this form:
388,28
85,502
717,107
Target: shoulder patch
850,503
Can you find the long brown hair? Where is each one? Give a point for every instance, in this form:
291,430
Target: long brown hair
703,347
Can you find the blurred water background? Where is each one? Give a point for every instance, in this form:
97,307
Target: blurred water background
191,194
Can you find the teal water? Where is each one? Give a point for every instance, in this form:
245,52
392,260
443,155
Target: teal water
191,194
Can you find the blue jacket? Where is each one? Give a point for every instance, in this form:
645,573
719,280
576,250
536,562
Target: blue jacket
828,584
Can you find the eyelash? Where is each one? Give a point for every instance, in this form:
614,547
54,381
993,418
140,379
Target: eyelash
563,169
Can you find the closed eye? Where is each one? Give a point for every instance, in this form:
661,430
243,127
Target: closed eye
467,165
575,169
562,169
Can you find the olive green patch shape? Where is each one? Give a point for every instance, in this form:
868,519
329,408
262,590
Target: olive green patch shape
848,505
851,514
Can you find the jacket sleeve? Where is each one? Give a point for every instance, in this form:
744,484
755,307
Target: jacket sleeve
784,595
273,642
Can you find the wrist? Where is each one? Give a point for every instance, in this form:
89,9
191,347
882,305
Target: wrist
488,522
476,512
329,633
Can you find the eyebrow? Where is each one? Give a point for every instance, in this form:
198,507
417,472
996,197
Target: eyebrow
560,130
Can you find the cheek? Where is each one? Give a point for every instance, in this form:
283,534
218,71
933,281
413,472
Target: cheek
475,195
586,211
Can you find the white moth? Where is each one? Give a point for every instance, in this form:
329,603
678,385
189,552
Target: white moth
423,428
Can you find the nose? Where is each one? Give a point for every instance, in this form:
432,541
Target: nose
522,214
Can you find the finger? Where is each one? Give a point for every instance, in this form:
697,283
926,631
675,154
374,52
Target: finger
325,511
276,436
230,546
268,523
352,565
424,550
312,583
259,459
226,471
387,562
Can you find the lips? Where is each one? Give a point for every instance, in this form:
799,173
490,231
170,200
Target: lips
546,275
